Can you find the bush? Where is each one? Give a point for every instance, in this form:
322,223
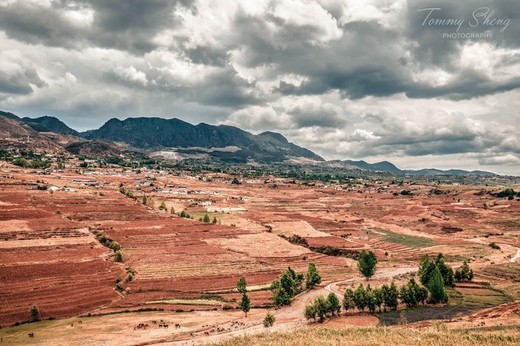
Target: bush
464,273
118,256
35,313
269,320
494,246
206,218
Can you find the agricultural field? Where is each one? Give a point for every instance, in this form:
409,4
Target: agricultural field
116,248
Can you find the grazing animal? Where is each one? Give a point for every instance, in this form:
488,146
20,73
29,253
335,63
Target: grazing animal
31,335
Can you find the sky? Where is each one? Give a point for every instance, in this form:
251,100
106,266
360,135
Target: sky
419,83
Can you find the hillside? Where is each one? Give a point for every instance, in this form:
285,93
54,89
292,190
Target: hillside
158,134
49,124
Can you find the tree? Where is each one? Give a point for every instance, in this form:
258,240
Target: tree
35,313
310,312
214,220
378,298
269,320
464,273
333,303
445,270
408,293
322,307
360,298
281,297
348,300
245,304
370,299
391,297
426,268
312,278
367,263
242,285
206,218
436,288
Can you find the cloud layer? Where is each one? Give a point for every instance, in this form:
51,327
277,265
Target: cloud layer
347,79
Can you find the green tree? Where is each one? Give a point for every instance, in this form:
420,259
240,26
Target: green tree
370,299
322,308
464,273
242,285
360,300
436,287
367,263
206,218
391,297
312,278
410,293
378,298
348,300
269,320
215,220
426,268
445,270
35,313
333,303
245,303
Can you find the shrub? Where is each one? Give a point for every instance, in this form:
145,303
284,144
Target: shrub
35,313
269,320
494,246
118,256
464,273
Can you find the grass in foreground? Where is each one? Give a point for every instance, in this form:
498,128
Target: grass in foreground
433,336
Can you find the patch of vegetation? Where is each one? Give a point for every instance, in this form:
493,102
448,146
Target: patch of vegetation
404,239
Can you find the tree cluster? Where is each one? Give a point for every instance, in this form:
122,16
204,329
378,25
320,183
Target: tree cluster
464,273
322,307
383,298
291,283
435,275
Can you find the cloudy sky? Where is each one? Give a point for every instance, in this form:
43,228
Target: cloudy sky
348,79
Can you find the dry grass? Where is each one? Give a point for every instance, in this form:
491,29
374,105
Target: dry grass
433,336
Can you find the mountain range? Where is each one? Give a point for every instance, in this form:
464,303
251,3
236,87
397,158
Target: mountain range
177,138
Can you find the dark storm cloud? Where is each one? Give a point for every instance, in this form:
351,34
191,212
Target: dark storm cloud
121,24
20,83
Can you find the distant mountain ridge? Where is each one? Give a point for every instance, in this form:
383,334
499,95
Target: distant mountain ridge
159,133
385,166
202,140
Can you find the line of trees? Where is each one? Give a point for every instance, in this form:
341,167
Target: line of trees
434,276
